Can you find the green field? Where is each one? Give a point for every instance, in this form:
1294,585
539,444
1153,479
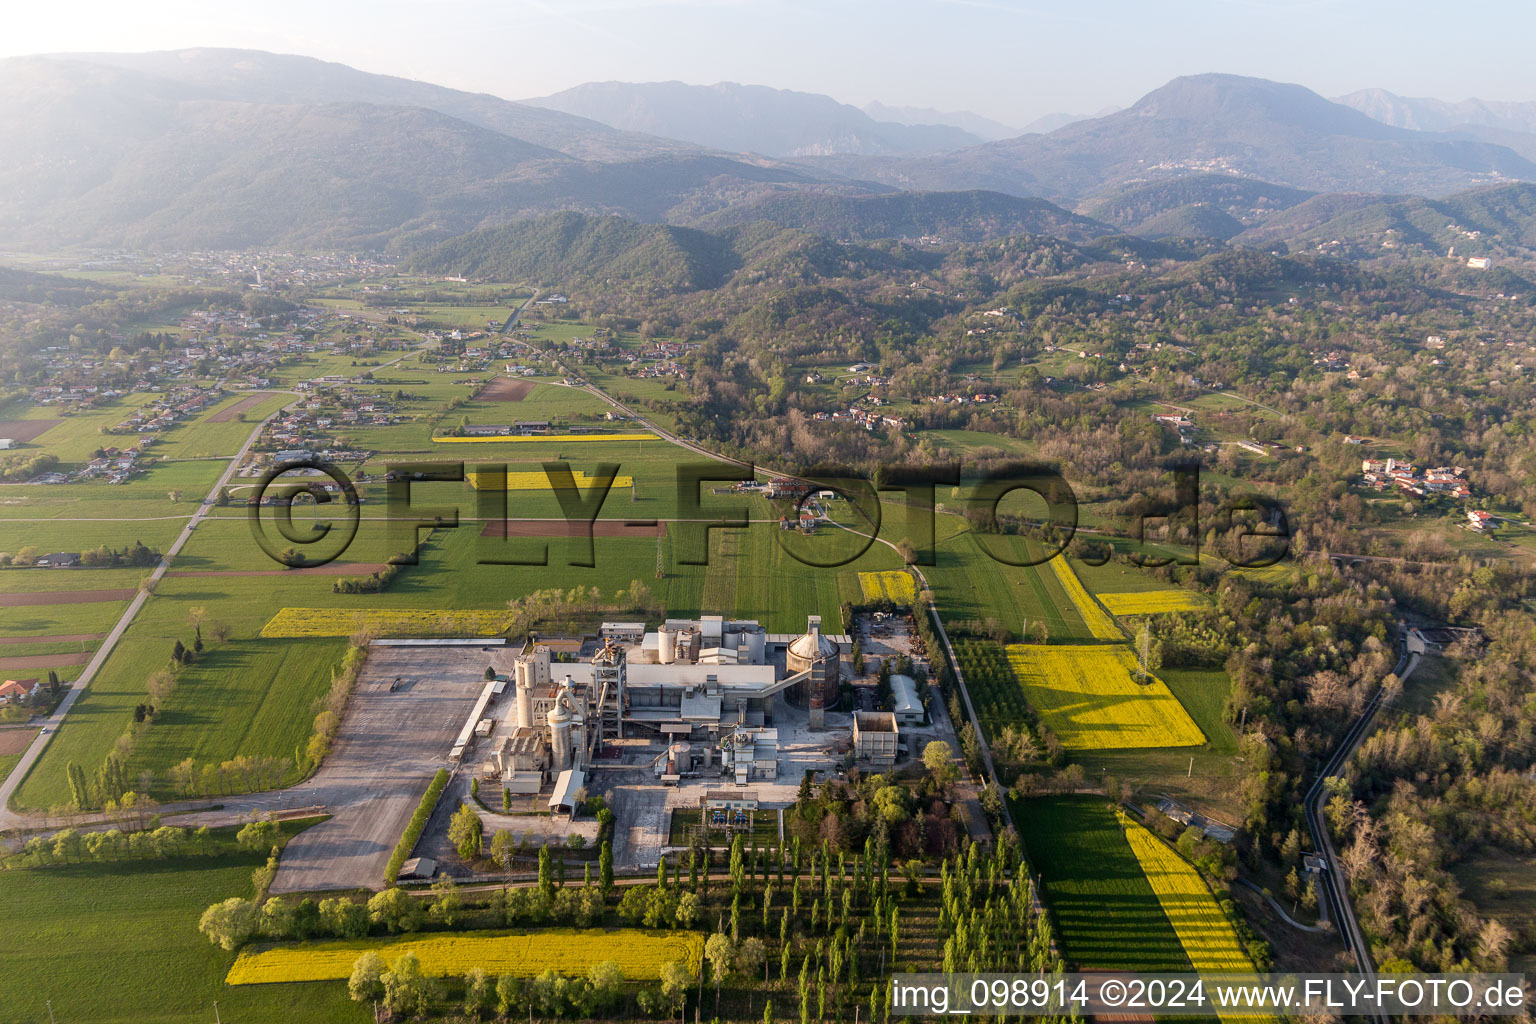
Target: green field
248,697
1204,695
970,442
968,584
1107,916
749,576
55,619
1117,576
49,535
118,944
201,437
7,763
81,432
146,496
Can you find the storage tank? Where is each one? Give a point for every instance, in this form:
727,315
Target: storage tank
757,646
524,716
666,645
677,758
818,655
560,735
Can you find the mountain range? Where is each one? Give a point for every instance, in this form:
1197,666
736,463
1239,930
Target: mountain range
237,148
1203,124
751,119
1429,115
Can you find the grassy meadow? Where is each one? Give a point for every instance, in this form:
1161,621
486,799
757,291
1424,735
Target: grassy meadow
1107,915
117,943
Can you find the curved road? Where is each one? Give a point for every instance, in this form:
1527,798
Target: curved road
1335,886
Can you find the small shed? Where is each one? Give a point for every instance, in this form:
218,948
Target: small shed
569,783
418,868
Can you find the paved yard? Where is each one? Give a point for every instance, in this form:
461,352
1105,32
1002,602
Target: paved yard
389,747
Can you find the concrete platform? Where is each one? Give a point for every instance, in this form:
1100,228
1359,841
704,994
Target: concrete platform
389,747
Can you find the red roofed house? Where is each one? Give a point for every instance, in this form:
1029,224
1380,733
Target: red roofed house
15,691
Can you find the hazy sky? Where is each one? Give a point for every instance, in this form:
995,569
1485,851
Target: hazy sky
1012,60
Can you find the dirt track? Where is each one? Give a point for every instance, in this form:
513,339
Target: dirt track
15,740
329,569
244,405
562,528
54,638
503,389
24,430
65,597
34,661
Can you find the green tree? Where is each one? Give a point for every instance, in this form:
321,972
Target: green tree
395,910
465,831
676,980
343,918
447,904
687,911
605,868
479,992
258,836
938,758
229,924
607,984
366,983
546,876
78,793
752,954
721,955
406,989
509,992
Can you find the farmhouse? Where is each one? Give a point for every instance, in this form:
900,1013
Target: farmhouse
15,691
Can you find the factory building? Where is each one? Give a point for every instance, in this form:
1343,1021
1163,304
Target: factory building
749,754
709,680
876,737
904,702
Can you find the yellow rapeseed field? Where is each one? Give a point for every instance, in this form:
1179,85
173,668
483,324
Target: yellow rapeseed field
1154,602
1207,936
896,586
639,954
1088,695
302,622
536,480
1100,626
531,438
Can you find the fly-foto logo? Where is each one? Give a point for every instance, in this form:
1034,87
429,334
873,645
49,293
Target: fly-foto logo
843,501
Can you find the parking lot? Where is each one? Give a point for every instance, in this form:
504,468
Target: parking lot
389,747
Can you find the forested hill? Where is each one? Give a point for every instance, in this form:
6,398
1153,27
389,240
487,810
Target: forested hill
1496,221
577,251
18,285
970,216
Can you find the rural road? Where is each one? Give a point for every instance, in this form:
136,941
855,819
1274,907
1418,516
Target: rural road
1275,905
1335,886
11,819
